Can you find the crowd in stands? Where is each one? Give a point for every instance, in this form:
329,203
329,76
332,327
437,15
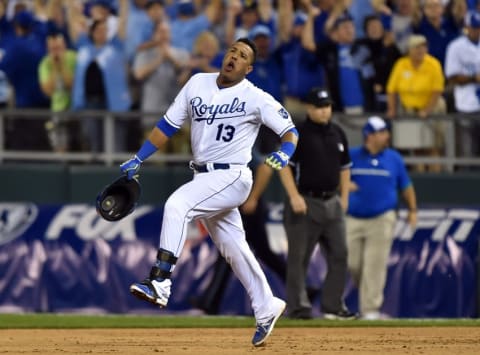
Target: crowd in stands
390,57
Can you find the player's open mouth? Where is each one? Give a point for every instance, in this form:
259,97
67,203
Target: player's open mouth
230,66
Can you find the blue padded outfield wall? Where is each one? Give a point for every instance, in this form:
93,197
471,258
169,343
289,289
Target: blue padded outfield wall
63,258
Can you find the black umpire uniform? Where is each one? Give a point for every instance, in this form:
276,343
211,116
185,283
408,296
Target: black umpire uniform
314,213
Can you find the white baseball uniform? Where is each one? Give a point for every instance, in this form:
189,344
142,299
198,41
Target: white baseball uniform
463,58
224,126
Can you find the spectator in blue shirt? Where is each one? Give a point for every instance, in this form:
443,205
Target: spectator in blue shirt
189,24
360,9
20,63
472,4
438,28
140,27
267,75
378,174
301,68
100,81
22,55
267,72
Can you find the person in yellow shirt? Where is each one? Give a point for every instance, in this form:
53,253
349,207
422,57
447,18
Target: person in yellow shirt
415,87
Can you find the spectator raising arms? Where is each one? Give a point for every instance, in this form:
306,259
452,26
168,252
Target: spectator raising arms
140,27
300,67
206,56
190,23
343,75
101,74
375,55
399,17
439,28
243,15
102,10
158,70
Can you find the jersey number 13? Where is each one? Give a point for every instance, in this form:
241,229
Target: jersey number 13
225,133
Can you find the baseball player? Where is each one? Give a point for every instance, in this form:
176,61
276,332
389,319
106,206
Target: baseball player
225,111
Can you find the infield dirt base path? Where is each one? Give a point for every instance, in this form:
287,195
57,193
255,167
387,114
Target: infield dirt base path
374,340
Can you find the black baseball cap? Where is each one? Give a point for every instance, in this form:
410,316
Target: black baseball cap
319,97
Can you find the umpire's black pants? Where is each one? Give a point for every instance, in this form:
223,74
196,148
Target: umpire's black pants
324,223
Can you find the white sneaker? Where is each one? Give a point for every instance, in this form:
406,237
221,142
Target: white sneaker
371,315
153,291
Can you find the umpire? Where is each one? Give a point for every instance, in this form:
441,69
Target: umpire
317,182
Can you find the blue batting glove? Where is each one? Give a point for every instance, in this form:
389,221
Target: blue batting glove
277,160
131,167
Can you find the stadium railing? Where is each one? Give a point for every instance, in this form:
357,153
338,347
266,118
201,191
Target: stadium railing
404,136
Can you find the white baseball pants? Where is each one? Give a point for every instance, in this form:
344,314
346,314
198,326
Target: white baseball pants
214,198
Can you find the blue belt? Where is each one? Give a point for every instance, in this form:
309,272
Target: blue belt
209,167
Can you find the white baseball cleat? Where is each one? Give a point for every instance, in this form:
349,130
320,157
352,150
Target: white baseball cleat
265,327
153,291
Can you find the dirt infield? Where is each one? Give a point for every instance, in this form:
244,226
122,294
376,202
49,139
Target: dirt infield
374,340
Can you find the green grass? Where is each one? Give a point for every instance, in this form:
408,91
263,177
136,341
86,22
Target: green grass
55,321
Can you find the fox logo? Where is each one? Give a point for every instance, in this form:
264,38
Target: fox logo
15,218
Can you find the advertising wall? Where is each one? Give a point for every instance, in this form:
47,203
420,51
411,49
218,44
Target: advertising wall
64,258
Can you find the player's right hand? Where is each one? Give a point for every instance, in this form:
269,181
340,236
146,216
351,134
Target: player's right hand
131,167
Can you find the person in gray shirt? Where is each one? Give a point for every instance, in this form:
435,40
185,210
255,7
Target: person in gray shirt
157,68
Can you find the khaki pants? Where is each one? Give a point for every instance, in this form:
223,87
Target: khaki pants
369,241
430,135
435,128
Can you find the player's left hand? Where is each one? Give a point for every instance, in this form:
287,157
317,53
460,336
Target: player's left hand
277,160
131,167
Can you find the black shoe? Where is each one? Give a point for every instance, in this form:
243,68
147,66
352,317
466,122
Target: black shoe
343,314
302,313
302,316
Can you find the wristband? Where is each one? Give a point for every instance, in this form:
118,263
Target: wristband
146,150
164,126
288,148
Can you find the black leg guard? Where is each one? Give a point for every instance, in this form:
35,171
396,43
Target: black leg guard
165,260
